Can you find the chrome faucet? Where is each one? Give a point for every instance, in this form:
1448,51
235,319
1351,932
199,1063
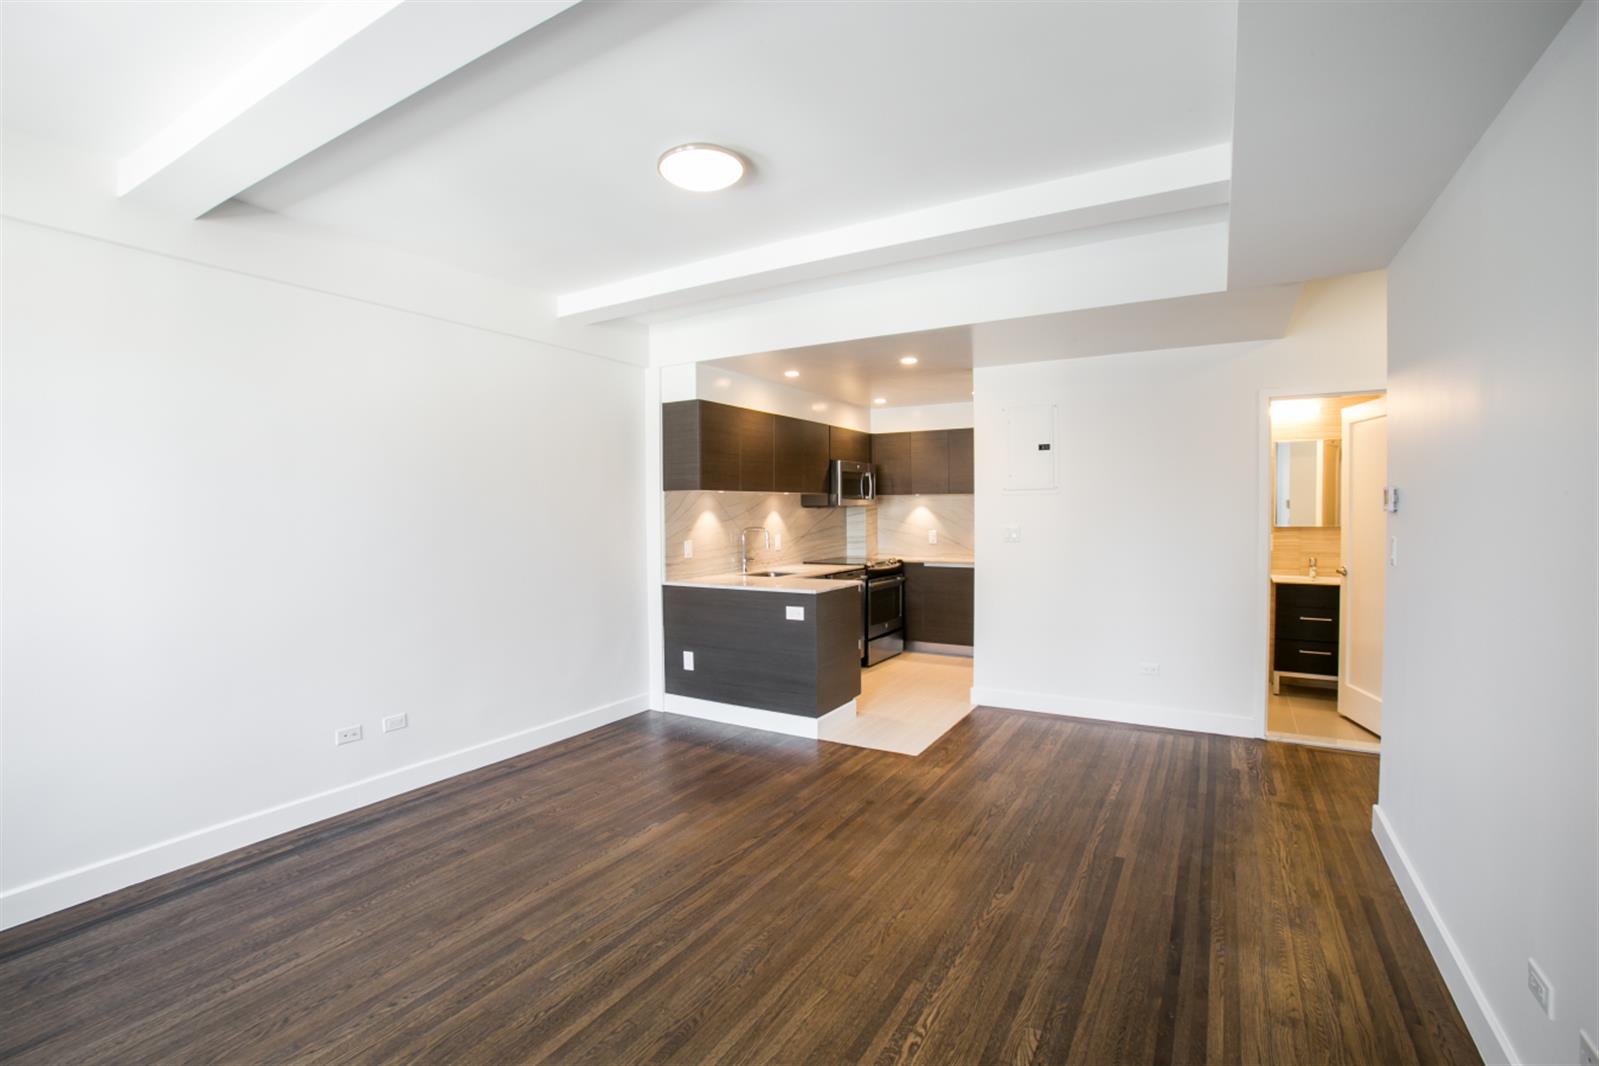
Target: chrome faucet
744,545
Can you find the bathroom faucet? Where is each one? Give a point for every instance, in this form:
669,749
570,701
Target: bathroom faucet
744,545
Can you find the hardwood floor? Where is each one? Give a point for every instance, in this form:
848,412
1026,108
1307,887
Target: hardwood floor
1030,889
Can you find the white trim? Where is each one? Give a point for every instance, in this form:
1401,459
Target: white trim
59,891
794,725
1193,721
1493,1043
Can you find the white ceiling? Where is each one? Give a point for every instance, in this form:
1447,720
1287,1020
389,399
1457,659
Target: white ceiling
536,163
859,372
890,142
106,77
1352,117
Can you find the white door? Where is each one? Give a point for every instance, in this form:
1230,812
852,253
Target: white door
1363,538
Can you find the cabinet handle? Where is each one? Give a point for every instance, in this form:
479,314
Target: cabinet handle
1307,618
1307,651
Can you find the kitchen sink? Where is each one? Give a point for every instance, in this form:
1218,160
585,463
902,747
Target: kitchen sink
770,573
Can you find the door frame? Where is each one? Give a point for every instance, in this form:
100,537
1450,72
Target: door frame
1262,508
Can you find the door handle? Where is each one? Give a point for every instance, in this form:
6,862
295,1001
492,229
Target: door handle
1307,618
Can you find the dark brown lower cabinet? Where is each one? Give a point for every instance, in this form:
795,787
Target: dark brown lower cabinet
938,603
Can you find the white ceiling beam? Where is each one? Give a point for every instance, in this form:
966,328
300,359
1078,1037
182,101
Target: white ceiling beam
344,64
1168,184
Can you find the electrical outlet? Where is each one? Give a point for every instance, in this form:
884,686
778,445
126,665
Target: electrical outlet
1393,551
348,735
1541,989
932,536
395,721
1149,669
1587,1054
688,660
688,549
794,614
777,542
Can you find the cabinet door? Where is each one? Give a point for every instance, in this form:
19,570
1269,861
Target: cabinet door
939,603
719,446
756,450
891,452
962,473
850,444
930,461
801,455
680,445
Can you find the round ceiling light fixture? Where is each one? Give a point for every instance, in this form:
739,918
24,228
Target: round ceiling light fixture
701,167
881,400
791,373
907,360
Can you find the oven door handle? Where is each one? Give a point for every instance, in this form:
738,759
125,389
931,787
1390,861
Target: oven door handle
878,582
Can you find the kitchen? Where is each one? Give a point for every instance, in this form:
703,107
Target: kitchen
819,572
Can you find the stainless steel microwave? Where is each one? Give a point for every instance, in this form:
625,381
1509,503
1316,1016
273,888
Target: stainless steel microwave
849,484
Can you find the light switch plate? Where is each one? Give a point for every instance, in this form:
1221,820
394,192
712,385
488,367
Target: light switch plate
688,549
395,721
794,614
932,536
1541,989
688,660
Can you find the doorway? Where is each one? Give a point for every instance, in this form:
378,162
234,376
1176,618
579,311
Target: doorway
1327,464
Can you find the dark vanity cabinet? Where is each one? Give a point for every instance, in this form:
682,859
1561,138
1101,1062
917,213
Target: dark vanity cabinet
938,603
1306,630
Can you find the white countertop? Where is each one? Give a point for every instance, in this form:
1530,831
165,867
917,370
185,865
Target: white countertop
1306,579
798,577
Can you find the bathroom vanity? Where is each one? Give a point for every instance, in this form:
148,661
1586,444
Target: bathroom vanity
1305,627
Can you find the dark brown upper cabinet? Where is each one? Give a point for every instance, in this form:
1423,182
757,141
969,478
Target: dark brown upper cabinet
850,444
930,461
891,453
708,445
757,450
962,471
801,455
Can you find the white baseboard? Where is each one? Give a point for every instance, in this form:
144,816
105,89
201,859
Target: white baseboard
1227,725
57,892
1493,1043
793,725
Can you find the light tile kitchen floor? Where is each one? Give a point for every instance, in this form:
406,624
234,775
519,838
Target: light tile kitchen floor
1308,715
909,701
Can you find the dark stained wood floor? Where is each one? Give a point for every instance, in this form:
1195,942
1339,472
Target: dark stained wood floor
1031,889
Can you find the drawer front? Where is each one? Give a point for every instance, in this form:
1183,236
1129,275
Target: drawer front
1307,657
1321,596
1307,623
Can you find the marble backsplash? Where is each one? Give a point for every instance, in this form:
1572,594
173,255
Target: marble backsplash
712,521
903,521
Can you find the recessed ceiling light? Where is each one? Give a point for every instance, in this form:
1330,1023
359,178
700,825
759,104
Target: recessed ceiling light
700,167
791,373
907,360
880,399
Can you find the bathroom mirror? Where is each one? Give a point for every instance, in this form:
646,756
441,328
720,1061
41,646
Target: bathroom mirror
1306,483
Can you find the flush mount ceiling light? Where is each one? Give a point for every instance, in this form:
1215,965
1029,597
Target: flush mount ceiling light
791,373
880,399
907,360
700,167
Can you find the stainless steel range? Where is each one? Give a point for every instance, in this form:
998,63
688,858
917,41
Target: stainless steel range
882,584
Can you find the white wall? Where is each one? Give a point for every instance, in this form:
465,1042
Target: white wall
1487,800
1154,547
241,514
745,390
923,416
